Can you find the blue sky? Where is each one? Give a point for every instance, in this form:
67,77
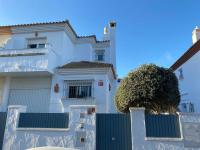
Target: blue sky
148,31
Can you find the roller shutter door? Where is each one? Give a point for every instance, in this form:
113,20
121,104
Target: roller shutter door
33,92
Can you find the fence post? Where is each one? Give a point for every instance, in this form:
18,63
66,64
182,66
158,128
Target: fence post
138,130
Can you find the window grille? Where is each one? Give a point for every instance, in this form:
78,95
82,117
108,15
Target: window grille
78,89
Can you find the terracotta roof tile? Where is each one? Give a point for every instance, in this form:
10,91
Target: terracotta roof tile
36,23
87,64
56,22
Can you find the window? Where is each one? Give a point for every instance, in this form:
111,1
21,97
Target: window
78,89
187,107
41,45
181,74
100,56
32,46
36,43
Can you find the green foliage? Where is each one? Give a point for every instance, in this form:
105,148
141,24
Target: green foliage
149,86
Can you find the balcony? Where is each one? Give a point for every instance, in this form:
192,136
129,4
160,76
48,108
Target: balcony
27,60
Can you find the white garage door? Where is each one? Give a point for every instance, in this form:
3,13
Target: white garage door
33,92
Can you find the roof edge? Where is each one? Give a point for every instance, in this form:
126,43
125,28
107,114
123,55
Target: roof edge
186,56
108,66
57,22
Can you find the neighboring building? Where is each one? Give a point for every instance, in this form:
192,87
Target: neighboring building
48,67
187,70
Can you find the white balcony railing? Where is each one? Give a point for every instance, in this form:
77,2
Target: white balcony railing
22,52
27,60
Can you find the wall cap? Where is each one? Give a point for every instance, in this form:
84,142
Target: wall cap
81,106
17,107
188,113
136,108
163,139
51,148
43,129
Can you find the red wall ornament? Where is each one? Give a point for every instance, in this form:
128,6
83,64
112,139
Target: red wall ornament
56,88
91,110
100,83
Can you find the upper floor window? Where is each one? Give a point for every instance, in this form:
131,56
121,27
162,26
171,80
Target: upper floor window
100,55
36,43
78,89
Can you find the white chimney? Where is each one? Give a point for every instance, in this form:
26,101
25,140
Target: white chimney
106,34
105,30
109,34
112,28
195,35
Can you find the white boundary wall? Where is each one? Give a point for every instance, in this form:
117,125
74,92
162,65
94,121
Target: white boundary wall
26,138
189,140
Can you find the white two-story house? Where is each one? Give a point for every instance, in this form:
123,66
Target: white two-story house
48,67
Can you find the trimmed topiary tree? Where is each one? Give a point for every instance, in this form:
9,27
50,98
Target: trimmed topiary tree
149,86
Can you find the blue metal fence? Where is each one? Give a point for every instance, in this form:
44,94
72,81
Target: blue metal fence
3,116
113,132
166,126
43,120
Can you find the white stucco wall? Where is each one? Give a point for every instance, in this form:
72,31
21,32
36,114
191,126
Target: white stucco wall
140,141
83,52
101,96
61,49
4,39
190,84
6,89
66,50
21,139
2,82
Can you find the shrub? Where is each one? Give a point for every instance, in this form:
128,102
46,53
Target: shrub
149,86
